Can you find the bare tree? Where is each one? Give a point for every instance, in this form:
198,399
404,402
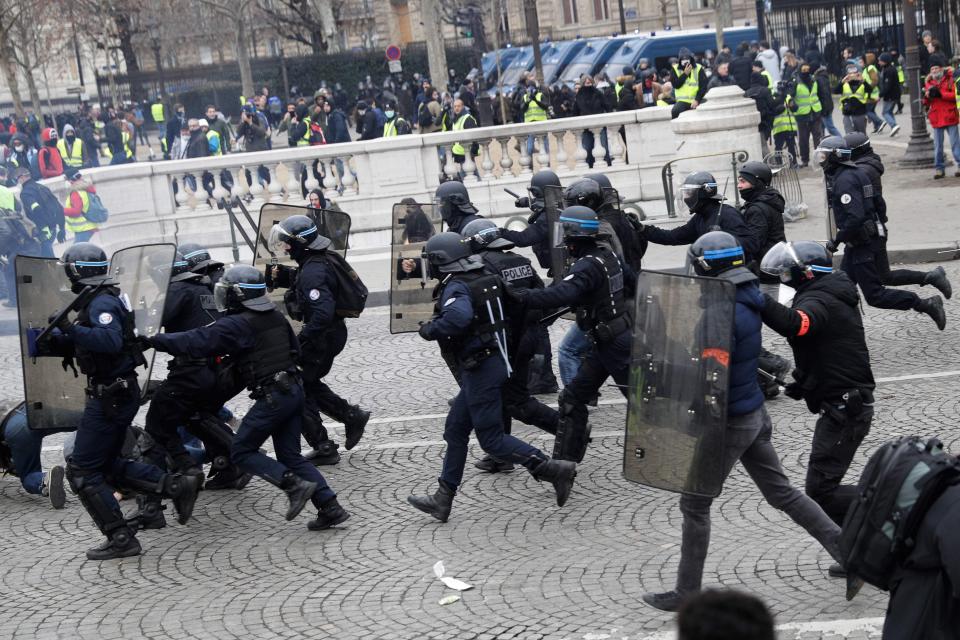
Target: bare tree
309,22
9,16
116,32
37,42
724,13
238,14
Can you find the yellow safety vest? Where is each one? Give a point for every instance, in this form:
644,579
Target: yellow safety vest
770,83
7,200
807,100
457,149
73,157
156,110
125,137
687,92
534,112
663,103
79,224
860,95
210,136
900,76
784,122
304,141
874,90
390,127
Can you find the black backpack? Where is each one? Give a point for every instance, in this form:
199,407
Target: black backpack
902,479
424,117
351,292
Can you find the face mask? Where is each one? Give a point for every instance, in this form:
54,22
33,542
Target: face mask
937,75
805,77
18,147
70,137
389,114
747,193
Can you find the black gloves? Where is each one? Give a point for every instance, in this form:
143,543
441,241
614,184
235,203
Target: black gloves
146,343
934,92
831,246
424,331
522,203
61,236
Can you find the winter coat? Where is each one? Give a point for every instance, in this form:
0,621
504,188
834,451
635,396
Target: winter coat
745,396
627,98
198,147
823,91
225,131
712,214
766,105
771,63
337,128
740,68
717,80
889,83
253,134
925,593
589,101
367,125
42,207
763,213
942,108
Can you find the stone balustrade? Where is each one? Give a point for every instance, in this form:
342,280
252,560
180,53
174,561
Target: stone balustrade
175,201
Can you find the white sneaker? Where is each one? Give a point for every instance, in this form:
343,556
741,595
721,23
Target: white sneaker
895,130
53,487
883,125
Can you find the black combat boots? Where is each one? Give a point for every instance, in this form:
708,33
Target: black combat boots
354,423
938,278
120,543
438,505
933,307
182,489
298,491
560,473
330,515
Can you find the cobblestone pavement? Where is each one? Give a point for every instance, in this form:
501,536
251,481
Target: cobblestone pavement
238,570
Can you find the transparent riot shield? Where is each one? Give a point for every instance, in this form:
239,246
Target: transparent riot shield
54,394
411,289
331,224
679,381
142,273
552,205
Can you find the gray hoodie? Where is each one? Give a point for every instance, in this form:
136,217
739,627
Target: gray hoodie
771,63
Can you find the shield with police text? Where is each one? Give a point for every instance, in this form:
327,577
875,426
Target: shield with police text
552,205
334,225
411,288
53,390
142,274
679,383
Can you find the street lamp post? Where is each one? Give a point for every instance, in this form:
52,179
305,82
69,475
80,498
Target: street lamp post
154,31
919,152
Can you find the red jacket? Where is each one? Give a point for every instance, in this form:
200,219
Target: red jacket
50,162
74,208
942,110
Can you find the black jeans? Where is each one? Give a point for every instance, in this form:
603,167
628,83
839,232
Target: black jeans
835,441
316,361
861,264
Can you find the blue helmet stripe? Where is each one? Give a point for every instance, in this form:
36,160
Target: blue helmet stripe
306,232
816,267
583,223
245,285
723,253
193,254
180,263
99,263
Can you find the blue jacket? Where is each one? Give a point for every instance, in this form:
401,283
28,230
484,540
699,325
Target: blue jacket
745,395
317,293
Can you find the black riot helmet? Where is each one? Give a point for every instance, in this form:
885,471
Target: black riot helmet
198,258
584,193
295,235
180,270
240,288
449,252
756,173
580,225
484,234
85,264
454,201
832,152
541,179
610,196
698,189
719,254
796,263
859,144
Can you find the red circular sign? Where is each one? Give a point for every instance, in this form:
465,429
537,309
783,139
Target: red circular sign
393,52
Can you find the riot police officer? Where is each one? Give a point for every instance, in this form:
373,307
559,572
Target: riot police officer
199,261
718,254
264,348
709,213
861,153
833,375
515,270
455,207
625,227
103,342
470,325
762,210
312,298
851,198
191,388
537,232
595,287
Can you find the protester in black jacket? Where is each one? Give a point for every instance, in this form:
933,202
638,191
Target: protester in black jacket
759,92
742,66
589,101
925,591
367,122
43,209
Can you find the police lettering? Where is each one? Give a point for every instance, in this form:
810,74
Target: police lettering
517,273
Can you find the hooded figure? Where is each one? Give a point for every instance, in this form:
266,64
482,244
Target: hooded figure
49,161
72,149
624,96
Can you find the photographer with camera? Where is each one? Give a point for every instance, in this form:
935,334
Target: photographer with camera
854,94
689,81
804,93
250,131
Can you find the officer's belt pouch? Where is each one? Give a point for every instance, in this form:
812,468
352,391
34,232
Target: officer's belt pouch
101,391
474,359
608,331
186,361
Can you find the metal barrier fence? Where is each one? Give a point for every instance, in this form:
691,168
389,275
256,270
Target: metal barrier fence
786,180
675,201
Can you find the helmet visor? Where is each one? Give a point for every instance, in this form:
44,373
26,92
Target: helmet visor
821,155
277,242
220,291
779,260
690,194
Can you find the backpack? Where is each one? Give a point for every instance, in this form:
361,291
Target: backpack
316,134
900,482
381,119
424,117
351,292
96,212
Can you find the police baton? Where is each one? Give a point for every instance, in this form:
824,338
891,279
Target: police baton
553,316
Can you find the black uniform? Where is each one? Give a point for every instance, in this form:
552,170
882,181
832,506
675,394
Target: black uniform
536,235
833,376
710,216
851,197
517,271
763,213
595,288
